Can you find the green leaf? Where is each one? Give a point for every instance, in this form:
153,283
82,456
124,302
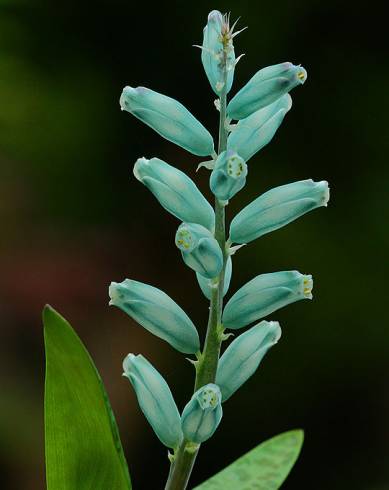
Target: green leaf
83,448
263,468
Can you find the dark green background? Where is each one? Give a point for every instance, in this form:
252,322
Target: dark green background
74,218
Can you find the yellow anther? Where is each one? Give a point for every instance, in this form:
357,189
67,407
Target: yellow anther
301,75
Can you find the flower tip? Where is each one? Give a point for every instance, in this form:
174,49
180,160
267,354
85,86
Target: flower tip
326,189
124,100
277,331
128,89
140,162
129,357
114,293
307,286
301,74
215,15
127,361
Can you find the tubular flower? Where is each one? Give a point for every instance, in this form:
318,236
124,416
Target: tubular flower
155,399
218,55
175,191
243,356
278,207
265,87
157,313
228,175
202,414
169,118
199,249
263,295
254,132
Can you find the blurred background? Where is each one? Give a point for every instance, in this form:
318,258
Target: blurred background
74,218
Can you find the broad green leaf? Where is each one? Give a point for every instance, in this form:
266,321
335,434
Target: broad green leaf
263,468
83,448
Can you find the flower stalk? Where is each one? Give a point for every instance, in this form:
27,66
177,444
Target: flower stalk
206,365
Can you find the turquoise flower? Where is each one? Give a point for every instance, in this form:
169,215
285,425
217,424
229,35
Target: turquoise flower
206,285
155,399
263,295
276,208
199,249
202,414
254,132
157,313
243,356
265,87
168,118
217,40
228,175
175,191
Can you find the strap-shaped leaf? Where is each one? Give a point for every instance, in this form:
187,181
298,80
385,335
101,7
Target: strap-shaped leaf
83,448
263,468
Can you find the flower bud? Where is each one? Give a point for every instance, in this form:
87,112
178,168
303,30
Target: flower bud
155,399
217,40
200,250
243,356
265,87
276,208
254,132
206,285
157,313
228,175
263,295
202,414
175,191
168,118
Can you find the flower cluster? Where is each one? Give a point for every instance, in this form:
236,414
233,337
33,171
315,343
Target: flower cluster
258,110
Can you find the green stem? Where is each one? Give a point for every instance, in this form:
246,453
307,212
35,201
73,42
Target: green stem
182,466
206,366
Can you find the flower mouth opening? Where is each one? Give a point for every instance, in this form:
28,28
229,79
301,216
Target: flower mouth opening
307,286
184,240
301,74
208,398
235,167
326,196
